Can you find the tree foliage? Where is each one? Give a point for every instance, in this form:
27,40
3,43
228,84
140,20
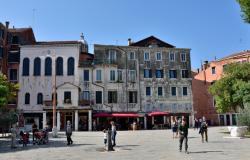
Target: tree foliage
244,117
233,89
245,9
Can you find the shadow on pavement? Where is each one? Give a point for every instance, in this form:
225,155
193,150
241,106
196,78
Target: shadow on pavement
5,146
204,152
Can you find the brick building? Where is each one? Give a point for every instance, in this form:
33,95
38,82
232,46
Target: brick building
10,41
203,103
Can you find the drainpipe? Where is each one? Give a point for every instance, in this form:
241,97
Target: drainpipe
139,84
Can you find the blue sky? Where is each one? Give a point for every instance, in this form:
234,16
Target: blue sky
211,28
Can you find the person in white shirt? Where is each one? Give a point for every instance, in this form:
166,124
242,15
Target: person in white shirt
105,136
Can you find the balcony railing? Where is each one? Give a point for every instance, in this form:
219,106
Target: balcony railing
67,101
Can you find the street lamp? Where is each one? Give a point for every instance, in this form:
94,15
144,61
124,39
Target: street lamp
54,128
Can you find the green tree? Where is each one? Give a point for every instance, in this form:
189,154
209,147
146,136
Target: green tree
7,93
245,9
233,89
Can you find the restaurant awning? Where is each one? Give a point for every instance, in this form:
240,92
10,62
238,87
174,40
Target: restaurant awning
158,114
102,115
133,115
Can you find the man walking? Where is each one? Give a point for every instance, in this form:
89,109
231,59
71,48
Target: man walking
183,133
113,133
69,133
203,131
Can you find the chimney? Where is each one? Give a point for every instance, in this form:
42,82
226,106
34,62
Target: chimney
205,65
7,23
129,42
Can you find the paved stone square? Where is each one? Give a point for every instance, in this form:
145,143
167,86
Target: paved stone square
150,144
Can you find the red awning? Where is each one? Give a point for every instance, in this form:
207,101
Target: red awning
125,115
158,114
102,115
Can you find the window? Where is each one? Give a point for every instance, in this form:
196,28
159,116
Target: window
172,56
213,70
160,93
147,73
39,98
146,56
48,66
98,97
132,55
119,72
184,91
99,75
1,33
158,56
26,66
37,66
132,96
112,96
71,66
67,97
1,52
148,91
86,95
15,40
112,55
132,75
184,73
13,74
112,75
172,74
183,57
86,75
59,66
27,98
159,73
173,91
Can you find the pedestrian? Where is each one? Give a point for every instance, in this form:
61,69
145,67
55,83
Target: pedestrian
94,125
113,133
69,133
134,126
196,126
174,129
13,136
105,136
183,134
203,131
34,130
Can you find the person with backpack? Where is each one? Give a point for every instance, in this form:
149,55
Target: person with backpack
69,133
203,131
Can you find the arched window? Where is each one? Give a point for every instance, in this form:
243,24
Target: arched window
26,66
48,66
39,98
37,66
71,66
27,98
59,66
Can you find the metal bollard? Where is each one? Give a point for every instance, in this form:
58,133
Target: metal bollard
110,146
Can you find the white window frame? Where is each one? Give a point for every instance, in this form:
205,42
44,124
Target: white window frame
214,70
110,75
176,90
130,76
170,56
145,56
183,92
129,57
157,56
185,57
114,51
97,74
158,91
119,70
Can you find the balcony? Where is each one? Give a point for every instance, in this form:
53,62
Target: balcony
67,101
84,102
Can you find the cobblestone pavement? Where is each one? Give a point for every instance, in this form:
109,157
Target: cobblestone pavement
152,144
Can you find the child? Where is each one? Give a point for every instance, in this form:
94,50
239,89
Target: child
105,135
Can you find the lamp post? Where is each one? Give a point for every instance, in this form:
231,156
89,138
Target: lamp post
54,128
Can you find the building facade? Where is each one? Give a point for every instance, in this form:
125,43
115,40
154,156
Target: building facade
44,66
145,78
10,41
204,103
